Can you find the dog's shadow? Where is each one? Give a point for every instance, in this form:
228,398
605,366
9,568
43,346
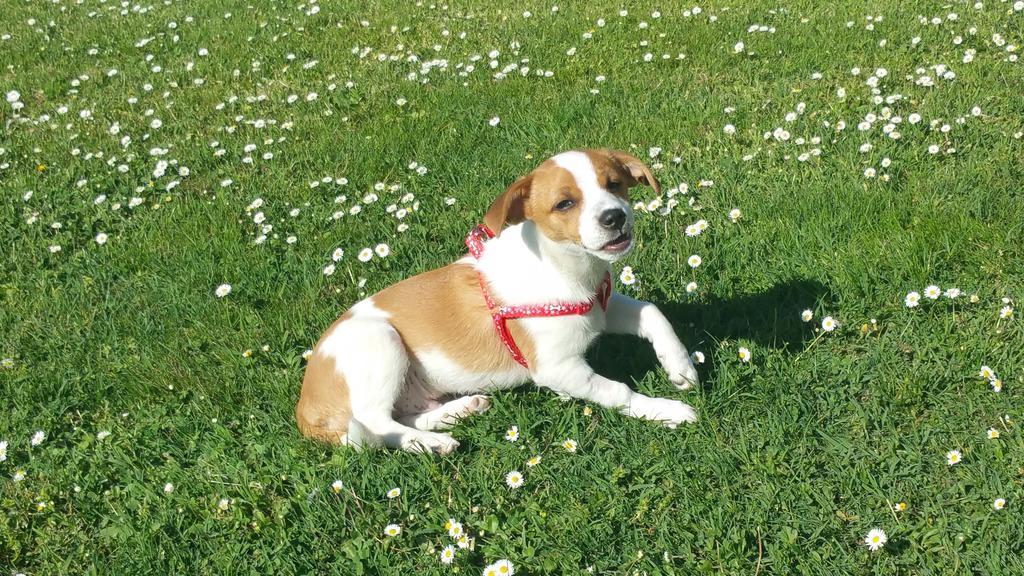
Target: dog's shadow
767,319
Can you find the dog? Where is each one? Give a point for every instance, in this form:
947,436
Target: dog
524,305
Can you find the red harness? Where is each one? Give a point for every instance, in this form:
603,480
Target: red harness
501,314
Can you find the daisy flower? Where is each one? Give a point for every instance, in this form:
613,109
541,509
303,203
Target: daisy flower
951,293
992,433
932,292
503,568
223,290
454,528
953,457
392,530
697,356
912,299
899,507
448,554
494,121
223,504
806,315
38,438
512,434
365,255
875,539
514,479
462,541
626,276
533,461
744,354
999,503
102,435
986,373
18,476
1006,312
735,215
394,493
570,445
382,250
691,287
997,385
3,450
694,261
168,488
828,324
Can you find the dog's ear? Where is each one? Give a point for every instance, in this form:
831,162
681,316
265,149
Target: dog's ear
637,169
510,206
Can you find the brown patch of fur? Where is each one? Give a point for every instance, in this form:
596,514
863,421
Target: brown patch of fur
323,411
444,310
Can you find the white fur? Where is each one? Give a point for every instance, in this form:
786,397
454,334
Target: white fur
521,266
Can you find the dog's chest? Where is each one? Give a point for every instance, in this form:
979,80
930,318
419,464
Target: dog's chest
567,335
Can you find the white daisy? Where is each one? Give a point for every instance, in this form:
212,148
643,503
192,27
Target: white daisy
38,438
382,250
394,493
806,315
168,488
392,530
932,292
448,554
223,290
570,445
512,434
828,324
744,354
912,299
365,255
694,261
999,503
514,479
953,457
626,276
875,539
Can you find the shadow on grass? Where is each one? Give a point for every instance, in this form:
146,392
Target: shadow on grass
769,319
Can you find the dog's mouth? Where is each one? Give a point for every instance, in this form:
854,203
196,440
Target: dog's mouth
619,244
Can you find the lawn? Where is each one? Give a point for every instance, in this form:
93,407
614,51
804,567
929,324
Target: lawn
152,152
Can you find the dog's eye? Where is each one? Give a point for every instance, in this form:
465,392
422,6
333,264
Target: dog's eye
564,205
614,184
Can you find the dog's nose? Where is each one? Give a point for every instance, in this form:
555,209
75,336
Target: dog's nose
612,219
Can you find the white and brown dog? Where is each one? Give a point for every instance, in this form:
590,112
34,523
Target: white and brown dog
524,305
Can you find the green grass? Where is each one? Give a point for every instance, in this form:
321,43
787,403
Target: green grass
797,454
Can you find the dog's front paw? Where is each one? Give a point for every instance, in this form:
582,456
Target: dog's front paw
671,413
682,373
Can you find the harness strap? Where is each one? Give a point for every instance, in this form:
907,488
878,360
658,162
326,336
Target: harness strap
501,314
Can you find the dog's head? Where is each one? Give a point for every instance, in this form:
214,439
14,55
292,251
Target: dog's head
578,198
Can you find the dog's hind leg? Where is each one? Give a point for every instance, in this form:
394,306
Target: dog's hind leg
371,356
446,415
